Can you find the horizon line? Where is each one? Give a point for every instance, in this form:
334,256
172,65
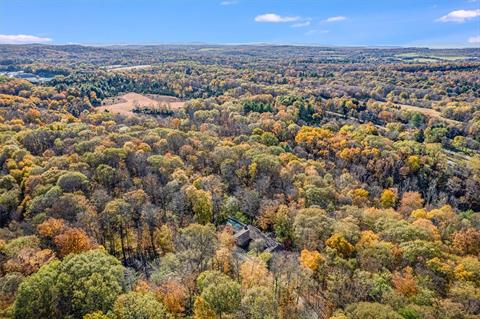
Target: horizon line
273,44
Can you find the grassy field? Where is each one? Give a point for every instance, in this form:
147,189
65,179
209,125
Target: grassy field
425,111
125,103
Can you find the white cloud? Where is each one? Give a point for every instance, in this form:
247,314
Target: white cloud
314,32
21,39
228,2
275,18
474,40
460,16
301,24
336,19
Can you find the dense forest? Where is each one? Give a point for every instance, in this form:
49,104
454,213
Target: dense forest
295,182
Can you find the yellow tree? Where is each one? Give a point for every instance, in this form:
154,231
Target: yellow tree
223,255
173,295
388,198
254,272
340,244
311,259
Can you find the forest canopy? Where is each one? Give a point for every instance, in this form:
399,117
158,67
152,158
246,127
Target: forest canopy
289,182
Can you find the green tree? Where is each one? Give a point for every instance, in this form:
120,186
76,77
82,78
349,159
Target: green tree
259,303
37,296
269,139
88,282
9,198
107,176
135,305
73,181
435,134
323,197
417,119
311,228
220,292
78,285
202,206
419,251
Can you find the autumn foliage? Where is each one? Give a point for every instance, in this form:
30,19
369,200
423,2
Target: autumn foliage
293,182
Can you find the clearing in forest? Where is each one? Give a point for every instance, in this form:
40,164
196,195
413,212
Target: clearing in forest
128,68
124,104
425,111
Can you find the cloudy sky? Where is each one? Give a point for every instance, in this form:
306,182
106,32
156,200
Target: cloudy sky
434,23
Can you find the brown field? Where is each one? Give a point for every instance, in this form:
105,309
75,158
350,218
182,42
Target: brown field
125,103
425,111
428,112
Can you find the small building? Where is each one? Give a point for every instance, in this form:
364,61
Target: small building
245,235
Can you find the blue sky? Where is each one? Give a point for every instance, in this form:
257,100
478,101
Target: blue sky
435,23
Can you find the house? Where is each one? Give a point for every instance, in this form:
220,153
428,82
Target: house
247,236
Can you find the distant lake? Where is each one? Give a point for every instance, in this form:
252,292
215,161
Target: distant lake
26,76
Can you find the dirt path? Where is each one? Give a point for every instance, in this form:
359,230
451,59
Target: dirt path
124,104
